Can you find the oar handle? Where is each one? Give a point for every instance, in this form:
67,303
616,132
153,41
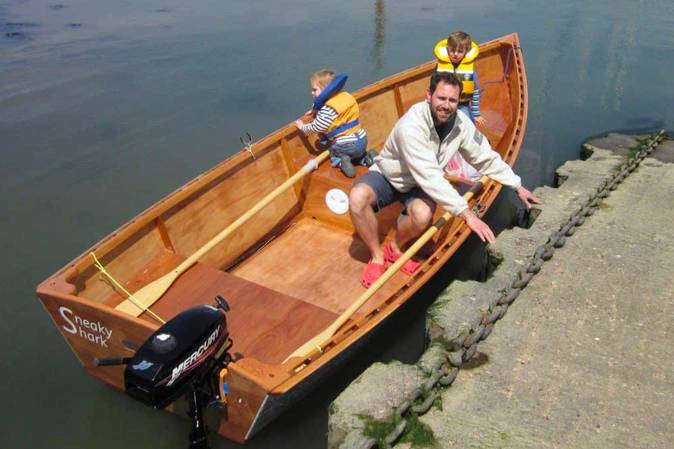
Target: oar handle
320,339
459,180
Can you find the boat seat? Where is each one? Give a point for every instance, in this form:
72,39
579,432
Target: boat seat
264,324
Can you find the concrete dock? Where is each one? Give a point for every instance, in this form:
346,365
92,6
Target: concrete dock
583,357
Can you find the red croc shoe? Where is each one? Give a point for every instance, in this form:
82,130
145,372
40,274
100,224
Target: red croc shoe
408,267
372,272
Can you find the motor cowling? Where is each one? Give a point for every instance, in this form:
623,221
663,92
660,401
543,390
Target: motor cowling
176,355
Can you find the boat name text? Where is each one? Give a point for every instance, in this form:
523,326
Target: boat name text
92,331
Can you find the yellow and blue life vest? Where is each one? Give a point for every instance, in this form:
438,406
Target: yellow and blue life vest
347,115
465,70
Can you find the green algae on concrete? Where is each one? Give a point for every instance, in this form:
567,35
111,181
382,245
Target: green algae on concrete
378,430
417,434
376,393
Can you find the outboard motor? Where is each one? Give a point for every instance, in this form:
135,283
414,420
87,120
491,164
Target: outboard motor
182,357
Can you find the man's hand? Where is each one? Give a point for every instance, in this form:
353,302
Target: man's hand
527,197
479,120
478,226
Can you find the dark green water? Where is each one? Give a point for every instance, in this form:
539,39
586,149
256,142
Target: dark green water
107,106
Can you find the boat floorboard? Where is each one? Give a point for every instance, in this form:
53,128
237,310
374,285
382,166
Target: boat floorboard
264,324
319,263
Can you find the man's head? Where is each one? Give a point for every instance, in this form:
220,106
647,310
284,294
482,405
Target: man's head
458,44
319,80
443,95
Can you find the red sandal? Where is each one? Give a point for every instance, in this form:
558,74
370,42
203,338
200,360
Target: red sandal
372,272
409,267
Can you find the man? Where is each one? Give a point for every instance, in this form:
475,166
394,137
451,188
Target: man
410,169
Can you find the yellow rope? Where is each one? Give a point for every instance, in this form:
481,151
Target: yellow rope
135,302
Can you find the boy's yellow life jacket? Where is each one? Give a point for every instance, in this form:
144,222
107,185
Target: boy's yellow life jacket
347,113
465,70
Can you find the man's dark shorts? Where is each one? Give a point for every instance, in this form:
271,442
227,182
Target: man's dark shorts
387,194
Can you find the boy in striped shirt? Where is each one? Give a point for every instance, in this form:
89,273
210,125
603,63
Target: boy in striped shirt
336,120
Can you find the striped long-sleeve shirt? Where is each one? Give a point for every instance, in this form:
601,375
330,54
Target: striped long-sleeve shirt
324,118
475,102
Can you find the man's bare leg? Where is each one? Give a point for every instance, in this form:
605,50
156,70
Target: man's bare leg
412,225
361,200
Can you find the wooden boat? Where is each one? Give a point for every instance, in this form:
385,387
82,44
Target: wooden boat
288,272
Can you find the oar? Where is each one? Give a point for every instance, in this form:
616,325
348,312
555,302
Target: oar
149,294
459,180
320,339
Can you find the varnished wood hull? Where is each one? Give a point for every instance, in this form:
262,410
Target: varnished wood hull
289,272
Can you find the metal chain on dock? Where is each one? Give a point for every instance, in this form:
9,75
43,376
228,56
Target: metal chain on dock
463,348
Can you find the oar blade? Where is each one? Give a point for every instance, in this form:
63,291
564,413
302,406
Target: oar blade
147,295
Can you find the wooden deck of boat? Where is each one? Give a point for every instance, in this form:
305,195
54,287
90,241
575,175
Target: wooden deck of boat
317,262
